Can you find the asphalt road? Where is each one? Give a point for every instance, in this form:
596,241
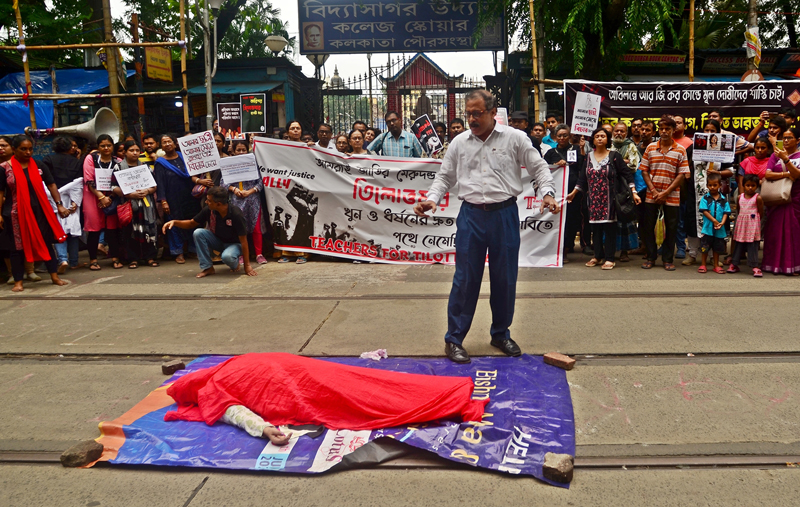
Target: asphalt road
686,390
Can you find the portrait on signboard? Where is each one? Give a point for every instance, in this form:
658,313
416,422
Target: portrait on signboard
700,141
713,142
727,142
313,36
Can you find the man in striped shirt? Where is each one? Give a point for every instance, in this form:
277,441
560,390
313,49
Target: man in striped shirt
664,167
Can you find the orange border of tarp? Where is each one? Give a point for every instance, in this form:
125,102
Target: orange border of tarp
111,434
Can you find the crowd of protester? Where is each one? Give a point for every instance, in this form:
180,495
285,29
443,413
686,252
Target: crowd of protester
684,209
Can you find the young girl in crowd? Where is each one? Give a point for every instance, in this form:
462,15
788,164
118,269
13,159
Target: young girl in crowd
756,164
245,196
141,233
95,220
747,232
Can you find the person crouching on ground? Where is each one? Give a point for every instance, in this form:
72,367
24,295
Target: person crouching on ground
715,210
227,233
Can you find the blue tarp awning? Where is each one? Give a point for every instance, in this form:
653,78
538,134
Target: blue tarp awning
15,115
236,89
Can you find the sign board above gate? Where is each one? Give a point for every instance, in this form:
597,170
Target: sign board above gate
392,26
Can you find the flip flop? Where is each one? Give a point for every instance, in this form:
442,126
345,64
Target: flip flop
702,269
719,270
133,265
647,265
608,266
180,259
94,266
592,263
757,273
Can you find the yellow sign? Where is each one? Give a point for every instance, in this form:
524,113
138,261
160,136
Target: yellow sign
158,62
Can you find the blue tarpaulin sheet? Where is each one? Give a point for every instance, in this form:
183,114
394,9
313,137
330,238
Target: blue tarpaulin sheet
529,414
15,115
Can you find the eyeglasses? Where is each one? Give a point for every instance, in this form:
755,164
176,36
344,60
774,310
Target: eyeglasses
474,114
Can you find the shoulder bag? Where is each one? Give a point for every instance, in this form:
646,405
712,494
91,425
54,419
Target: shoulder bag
777,192
623,198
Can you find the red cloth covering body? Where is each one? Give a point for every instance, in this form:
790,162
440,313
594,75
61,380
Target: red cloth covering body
288,389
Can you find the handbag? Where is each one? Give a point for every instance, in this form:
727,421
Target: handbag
777,192
199,191
111,209
124,213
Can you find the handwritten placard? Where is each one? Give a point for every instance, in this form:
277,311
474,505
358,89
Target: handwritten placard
239,168
199,152
585,114
135,178
102,179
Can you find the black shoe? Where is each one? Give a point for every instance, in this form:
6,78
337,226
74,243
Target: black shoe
509,347
456,353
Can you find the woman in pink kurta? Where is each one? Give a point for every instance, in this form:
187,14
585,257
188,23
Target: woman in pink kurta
94,220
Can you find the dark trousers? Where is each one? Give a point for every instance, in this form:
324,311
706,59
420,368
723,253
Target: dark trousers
480,231
137,250
752,254
585,226
670,231
116,243
604,248
17,258
640,216
572,223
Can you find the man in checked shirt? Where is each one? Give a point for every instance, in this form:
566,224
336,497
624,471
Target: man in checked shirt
486,165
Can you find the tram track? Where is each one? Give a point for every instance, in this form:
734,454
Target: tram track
389,297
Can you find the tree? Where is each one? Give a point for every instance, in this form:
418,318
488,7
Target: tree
60,23
247,31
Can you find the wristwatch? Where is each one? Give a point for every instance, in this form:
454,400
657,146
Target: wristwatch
59,203
550,193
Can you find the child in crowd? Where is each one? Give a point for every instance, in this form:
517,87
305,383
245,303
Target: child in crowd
747,232
715,210
756,164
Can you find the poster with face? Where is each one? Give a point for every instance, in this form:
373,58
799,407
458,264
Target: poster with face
712,147
423,129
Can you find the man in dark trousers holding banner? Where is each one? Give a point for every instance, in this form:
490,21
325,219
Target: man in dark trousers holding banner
485,163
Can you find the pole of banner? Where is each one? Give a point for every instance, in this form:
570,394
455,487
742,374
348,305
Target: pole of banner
183,68
25,66
111,63
369,69
691,40
752,20
137,54
535,66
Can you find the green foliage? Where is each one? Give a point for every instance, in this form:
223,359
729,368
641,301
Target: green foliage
248,30
61,23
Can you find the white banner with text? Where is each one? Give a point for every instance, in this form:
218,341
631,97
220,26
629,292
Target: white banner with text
361,207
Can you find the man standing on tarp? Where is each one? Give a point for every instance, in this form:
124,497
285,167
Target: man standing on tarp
486,165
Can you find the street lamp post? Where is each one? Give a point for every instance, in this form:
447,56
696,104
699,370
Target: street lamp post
210,48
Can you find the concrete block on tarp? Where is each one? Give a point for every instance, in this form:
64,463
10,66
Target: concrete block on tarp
558,467
172,366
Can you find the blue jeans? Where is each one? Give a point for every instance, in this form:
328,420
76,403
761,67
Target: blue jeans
177,238
206,244
478,231
68,251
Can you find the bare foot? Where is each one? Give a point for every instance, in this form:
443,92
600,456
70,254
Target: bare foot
206,272
237,269
17,287
57,281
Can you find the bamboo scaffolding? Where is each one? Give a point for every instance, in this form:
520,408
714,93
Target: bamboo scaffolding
95,45
535,63
74,96
25,66
183,69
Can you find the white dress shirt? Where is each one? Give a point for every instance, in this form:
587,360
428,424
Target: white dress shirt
490,171
70,193
331,146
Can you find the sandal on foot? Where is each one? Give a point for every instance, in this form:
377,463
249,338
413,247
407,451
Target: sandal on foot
719,270
180,259
702,269
668,266
624,258
733,269
94,266
284,260
647,265
757,273
592,263
608,265
133,265
152,263
301,260
118,265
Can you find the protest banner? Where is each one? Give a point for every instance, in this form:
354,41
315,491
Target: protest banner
361,207
502,116
102,179
714,147
585,113
239,168
199,152
741,103
230,120
426,135
135,178
253,113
